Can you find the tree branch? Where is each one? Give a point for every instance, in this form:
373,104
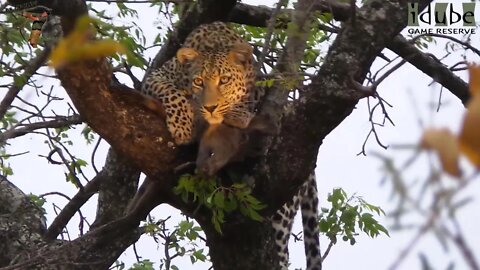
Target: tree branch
25,129
206,11
259,16
432,67
13,91
82,196
94,250
116,189
119,116
329,99
70,9
22,223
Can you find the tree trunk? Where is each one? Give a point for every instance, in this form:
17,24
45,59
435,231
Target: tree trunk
242,246
140,137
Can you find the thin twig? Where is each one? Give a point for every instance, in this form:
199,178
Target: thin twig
13,91
94,153
269,33
136,253
404,253
465,44
462,245
325,254
28,128
73,206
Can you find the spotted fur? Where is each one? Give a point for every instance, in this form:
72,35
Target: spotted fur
212,76
282,222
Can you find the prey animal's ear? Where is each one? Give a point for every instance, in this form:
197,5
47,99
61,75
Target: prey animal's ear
262,124
241,53
186,54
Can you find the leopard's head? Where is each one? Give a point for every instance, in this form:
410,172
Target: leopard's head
221,83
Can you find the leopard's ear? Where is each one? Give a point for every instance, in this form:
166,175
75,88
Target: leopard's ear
241,53
186,54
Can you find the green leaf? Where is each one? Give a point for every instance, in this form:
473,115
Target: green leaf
151,228
324,226
326,17
254,215
142,265
239,186
135,60
230,203
37,200
219,200
81,162
16,38
88,134
243,209
6,170
20,80
217,221
209,200
343,218
198,254
192,235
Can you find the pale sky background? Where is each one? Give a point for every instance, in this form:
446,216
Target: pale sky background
338,165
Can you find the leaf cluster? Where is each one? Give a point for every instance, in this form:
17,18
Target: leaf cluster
220,200
180,242
142,265
343,218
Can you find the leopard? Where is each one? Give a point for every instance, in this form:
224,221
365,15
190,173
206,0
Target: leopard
211,79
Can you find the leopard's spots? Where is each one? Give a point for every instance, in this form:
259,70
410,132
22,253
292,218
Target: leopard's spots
222,59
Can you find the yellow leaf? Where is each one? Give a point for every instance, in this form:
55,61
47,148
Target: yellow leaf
80,45
59,53
470,133
445,144
83,23
474,71
93,50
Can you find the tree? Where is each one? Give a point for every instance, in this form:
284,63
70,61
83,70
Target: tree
118,115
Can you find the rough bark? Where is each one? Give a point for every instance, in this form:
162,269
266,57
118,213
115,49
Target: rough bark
118,116
97,249
259,16
22,223
330,98
140,137
28,244
244,244
116,190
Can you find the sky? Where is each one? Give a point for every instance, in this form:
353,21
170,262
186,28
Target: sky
414,100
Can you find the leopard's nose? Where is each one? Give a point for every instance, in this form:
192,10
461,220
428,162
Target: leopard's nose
211,108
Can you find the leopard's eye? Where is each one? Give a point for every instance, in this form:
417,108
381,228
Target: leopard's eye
224,79
198,82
